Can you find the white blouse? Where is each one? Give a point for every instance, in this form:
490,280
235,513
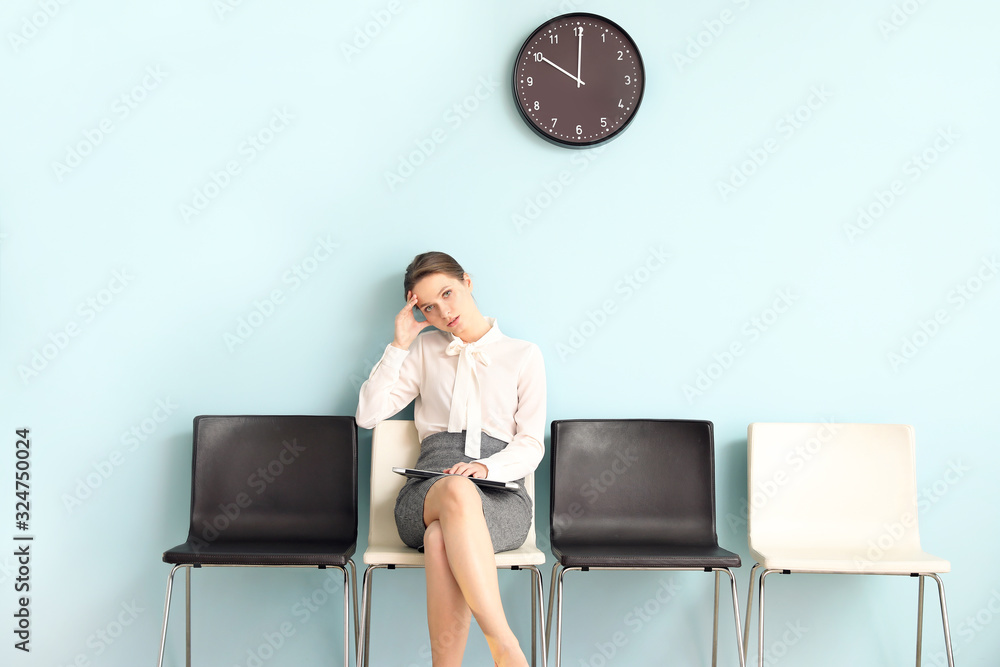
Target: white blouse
446,377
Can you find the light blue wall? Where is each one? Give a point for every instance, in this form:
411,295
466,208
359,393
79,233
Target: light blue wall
164,97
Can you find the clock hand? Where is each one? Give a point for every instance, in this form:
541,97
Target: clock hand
579,56
578,82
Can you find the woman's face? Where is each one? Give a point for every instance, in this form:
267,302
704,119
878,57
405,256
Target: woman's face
447,302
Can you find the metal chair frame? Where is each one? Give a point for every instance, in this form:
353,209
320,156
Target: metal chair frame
920,607
556,594
536,609
349,587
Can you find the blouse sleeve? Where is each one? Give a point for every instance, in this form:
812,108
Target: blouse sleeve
392,384
525,450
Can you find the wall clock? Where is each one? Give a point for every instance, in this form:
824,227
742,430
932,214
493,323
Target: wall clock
578,80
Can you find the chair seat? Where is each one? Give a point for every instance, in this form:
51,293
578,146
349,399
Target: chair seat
645,555
331,553
405,556
872,560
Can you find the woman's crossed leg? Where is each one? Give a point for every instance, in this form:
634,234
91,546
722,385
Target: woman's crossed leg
462,576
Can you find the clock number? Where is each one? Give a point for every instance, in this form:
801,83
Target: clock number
553,39
628,80
537,105
579,129
578,31
604,122
531,81
554,122
620,55
604,36
620,105
538,56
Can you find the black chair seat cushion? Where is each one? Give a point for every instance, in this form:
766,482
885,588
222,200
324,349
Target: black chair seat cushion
194,552
645,555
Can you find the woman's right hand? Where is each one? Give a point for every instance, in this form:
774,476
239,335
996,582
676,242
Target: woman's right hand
407,326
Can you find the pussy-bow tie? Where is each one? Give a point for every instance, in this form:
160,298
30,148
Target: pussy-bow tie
466,401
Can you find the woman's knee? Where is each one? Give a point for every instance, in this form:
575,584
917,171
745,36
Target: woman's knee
456,495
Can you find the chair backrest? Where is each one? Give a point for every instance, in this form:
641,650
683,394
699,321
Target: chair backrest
395,444
274,478
841,486
632,481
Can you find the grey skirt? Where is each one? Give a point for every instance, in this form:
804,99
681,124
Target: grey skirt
508,513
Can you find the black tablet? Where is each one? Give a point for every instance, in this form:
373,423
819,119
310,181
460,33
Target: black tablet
427,474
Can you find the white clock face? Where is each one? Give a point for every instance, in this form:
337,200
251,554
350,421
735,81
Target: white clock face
578,80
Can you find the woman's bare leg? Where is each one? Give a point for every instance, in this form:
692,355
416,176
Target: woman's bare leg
454,504
448,615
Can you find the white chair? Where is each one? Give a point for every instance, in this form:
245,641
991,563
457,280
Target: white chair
395,443
836,499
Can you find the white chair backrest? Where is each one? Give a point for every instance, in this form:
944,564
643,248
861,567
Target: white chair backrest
395,444
842,486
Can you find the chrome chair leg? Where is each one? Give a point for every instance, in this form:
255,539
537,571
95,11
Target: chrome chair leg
537,616
354,596
559,601
540,591
347,620
760,617
552,598
166,613
534,620
715,623
944,618
746,620
366,607
187,617
920,618
350,590
736,615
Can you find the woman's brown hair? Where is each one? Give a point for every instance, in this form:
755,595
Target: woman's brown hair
428,263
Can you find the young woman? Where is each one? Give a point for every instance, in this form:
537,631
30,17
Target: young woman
480,412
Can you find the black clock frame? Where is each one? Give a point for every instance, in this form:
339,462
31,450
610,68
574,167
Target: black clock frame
529,121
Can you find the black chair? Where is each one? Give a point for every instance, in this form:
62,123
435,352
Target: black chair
271,491
635,494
